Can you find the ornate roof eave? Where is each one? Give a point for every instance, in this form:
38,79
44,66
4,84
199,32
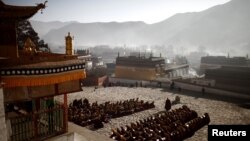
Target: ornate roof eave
45,73
42,80
43,68
10,12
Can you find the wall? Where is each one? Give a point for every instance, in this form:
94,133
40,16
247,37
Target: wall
204,66
135,73
3,129
204,82
231,78
197,88
116,80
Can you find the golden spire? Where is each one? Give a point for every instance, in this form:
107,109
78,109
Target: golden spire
69,46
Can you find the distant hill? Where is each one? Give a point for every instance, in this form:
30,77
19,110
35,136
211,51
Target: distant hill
44,27
223,28
220,29
97,33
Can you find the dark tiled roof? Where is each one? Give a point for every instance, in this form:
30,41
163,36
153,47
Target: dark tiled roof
10,12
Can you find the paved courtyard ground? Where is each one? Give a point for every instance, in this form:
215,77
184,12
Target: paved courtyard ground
220,112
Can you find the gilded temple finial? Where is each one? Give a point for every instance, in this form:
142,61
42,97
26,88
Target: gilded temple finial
42,6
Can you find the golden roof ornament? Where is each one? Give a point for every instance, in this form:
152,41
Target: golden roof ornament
42,6
29,46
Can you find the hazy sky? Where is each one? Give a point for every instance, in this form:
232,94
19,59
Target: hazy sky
149,11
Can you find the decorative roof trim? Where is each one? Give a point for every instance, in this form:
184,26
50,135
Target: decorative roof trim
41,71
42,80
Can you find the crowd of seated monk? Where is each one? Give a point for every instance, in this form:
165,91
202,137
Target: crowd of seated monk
174,125
83,113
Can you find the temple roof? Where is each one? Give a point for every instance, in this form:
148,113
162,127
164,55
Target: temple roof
44,73
45,64
11,12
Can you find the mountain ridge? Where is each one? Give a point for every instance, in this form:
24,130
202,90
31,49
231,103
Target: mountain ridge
222,28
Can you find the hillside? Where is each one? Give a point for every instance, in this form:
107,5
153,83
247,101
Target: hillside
44,27
220,29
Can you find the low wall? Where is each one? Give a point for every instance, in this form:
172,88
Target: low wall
197,88
141,83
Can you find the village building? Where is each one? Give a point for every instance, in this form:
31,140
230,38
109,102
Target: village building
231,78
214,62
222,76
139,67
148,67
86,56
96,72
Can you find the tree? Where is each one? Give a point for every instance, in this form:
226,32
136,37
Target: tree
25,30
